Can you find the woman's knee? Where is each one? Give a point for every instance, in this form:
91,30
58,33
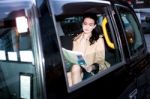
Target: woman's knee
69,78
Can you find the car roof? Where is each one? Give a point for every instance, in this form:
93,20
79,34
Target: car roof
59,5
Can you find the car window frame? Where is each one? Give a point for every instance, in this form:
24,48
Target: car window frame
99,75
115,37
141,50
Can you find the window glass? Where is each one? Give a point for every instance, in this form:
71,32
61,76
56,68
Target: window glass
87,44
16,44
132,30
16,51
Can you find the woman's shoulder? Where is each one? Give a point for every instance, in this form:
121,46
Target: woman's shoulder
100,38
77,37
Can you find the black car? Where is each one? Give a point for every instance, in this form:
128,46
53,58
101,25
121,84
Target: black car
145,24
36,35
144,18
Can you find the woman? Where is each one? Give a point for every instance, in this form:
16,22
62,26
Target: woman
91,45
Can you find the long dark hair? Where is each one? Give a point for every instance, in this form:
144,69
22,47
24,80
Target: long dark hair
95,34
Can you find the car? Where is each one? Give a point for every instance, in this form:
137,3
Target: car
36,34
144,18
146,25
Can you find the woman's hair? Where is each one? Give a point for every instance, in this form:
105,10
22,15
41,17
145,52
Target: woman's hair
95,34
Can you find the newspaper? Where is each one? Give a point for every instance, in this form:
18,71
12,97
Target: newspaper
74,57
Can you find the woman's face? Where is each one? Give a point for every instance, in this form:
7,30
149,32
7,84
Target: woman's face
88,25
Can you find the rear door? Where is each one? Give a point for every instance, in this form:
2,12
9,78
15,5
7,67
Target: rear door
67,17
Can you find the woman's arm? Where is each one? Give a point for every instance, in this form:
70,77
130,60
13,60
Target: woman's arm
100,54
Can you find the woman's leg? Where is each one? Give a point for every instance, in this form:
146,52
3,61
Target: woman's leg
76,74
69,78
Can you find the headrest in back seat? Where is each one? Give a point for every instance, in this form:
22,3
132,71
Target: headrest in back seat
67,42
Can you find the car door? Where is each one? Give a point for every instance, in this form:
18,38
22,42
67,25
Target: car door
135,49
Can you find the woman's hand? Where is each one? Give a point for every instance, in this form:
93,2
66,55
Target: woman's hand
89,68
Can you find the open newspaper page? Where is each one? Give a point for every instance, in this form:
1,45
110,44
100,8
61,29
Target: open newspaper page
74,57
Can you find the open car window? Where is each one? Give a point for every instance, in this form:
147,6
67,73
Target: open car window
69,26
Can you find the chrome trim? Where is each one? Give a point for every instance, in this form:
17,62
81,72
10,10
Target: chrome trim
72,1
133,94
